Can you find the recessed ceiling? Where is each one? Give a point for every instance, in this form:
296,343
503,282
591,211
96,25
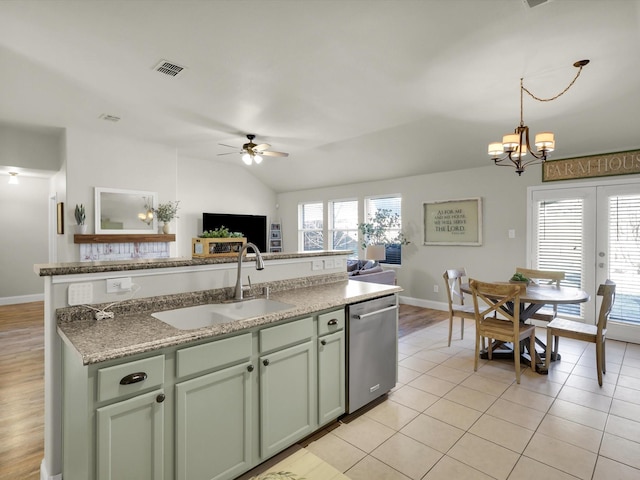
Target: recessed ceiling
354,90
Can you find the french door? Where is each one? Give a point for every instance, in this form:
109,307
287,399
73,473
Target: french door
592,233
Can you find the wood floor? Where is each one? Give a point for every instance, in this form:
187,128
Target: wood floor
21,391
22,383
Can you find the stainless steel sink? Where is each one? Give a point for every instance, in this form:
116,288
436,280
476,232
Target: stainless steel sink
189,318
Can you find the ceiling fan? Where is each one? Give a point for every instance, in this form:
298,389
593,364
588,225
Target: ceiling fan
253,153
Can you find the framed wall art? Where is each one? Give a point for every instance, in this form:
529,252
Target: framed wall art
453,222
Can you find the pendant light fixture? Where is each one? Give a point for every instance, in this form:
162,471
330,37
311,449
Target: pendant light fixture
515,146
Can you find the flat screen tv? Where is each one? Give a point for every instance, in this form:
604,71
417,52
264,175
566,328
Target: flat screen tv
254,227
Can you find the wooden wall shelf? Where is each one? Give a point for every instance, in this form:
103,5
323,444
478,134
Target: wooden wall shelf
123,238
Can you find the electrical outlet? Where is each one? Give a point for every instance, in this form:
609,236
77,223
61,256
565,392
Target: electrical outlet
118,285
436,289
316,265
329,263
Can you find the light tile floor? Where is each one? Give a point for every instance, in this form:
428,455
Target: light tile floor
445,421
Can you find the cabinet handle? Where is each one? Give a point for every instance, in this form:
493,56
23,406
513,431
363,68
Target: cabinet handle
250,368
133,378
323,342
160,398
265,362
333,321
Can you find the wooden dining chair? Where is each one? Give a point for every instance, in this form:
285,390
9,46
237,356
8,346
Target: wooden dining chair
499,319
453,278
597,334
543,277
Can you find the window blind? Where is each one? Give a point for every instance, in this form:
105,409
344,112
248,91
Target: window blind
310,226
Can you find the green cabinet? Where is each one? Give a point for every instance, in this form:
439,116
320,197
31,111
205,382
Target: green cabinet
331,366
287,397
130,437
213,424
210,410
331,377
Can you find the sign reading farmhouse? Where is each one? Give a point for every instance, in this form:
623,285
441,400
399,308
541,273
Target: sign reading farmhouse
453,222
621,163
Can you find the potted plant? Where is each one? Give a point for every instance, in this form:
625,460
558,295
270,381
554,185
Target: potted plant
165,212
219,242
376,234
80,215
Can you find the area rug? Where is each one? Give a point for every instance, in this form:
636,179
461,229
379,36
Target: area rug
301,465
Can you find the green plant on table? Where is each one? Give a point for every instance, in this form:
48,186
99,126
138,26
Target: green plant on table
165,212
221,232
518,277
80,214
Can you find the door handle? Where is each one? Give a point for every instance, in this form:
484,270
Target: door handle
369,314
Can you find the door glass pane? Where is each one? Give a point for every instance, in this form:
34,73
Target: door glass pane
560,243
624,256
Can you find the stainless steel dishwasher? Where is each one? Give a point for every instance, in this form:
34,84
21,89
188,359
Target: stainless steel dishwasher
372,330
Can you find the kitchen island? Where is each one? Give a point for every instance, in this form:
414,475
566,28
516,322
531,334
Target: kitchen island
288,340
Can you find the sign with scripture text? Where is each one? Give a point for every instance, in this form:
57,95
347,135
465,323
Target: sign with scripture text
453,222
621,163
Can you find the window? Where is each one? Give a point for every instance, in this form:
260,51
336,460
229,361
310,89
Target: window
343,226
310,226
560,242
393,204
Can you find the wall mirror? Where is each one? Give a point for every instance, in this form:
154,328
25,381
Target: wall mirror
125,211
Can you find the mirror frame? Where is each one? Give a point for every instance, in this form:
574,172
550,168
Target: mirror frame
141,193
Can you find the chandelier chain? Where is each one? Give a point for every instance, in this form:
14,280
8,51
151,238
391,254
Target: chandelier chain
558,95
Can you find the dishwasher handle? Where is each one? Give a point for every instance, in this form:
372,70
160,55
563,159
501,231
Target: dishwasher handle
376,312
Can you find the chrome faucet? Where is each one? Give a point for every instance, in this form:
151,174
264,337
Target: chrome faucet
240,289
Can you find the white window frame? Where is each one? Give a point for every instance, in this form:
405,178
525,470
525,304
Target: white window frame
393,232
331,228
302,231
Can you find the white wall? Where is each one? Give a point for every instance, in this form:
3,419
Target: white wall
504,208
24,220
30,147
98,160
217,187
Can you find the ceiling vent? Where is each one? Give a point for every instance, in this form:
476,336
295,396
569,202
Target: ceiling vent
109,118
535,3
168,68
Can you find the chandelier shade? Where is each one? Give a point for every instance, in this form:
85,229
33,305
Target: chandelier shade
515,146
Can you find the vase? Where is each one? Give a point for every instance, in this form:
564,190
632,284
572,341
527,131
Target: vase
81,229
166,228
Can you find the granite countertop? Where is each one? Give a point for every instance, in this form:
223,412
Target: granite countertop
139,332
74,268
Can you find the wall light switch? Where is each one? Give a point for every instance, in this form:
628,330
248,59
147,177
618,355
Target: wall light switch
316,265
512,233
329,263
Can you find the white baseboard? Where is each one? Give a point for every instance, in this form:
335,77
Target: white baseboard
419,302
44,475
36,297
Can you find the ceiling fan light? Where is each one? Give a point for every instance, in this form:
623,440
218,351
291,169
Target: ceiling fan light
246,158
496,149
257,159
545,141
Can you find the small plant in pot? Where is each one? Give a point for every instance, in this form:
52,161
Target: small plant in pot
165,212
80,215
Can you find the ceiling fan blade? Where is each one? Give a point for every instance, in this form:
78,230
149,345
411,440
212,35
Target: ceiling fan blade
225,145
274,154
262,146
229,153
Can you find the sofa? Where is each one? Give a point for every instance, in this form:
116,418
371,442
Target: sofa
369,271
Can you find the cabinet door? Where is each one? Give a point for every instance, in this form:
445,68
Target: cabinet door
287,397
130,436
331,377
213,425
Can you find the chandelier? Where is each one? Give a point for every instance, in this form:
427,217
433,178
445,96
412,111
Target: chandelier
516,145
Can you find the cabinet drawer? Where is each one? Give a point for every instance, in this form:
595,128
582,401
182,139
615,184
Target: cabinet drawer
287,334
213,355
131,377
330,322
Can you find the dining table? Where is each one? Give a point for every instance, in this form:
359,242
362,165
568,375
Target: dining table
533,299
